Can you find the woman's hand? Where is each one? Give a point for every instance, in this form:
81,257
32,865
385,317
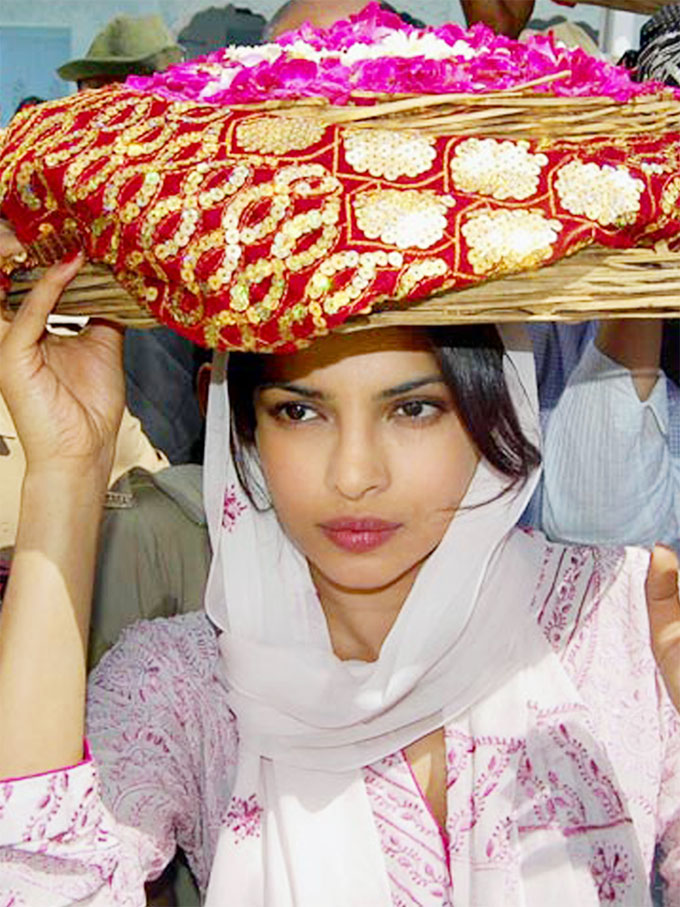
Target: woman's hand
663,604
65,394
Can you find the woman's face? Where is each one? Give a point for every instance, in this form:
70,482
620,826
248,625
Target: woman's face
364,454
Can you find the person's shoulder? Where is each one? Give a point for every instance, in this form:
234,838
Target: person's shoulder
162,674
580,584
185,646
172,493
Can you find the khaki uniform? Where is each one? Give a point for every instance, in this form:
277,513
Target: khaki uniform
133,448
154,552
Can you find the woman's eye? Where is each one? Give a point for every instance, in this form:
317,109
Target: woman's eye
418,410
295,412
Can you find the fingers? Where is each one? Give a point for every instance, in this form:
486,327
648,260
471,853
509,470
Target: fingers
10,247
662,577
29,322
663,603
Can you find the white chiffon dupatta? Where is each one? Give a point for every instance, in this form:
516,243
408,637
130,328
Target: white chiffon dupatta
299,831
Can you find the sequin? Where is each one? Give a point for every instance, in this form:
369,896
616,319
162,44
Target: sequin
388,153
215,324
499,169
356,271
419,271
402,218
301,226
670,196
608,195
506,241
25,188
251,276
186,311
279,134
205,223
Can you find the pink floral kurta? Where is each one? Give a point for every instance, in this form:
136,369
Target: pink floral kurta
165,749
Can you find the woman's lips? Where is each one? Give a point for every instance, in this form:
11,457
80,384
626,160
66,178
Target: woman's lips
359,535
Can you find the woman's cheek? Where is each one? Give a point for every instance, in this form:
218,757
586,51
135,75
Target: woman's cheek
444,471
291,471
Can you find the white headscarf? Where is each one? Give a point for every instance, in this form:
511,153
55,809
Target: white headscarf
308,722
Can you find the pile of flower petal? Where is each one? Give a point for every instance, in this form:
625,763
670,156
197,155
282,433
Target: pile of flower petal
375,53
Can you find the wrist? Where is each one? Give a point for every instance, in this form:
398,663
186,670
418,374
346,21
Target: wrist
637,347
79,478
633,344
57,505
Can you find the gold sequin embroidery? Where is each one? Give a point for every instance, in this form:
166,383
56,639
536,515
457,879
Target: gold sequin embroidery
278,135
418,271
507,241
670,196
605,194
345,277
402,218
387,153
499,169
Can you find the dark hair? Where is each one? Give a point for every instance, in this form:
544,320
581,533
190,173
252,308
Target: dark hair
471,361
405,17
283,11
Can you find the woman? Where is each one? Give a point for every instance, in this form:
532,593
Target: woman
378,720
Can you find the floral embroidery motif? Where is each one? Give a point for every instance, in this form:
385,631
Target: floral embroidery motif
279,135
559,620
405,219
413,845
506,241
611,871
244,817
494,759
233,508
387,153
499,169
607,805
606,194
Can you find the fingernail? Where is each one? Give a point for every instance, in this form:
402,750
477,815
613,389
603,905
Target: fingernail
67,259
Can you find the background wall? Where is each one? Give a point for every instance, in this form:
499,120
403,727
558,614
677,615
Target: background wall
37,35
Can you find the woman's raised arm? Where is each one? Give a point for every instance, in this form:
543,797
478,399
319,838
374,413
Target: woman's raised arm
66,397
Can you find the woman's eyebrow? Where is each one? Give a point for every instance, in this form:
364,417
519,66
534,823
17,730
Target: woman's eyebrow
387,394
411,386
300,389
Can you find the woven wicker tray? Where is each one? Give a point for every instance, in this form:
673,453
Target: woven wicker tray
593,283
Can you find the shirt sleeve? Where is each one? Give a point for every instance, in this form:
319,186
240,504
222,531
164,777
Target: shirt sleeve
668,807
609,475
60,846
94,834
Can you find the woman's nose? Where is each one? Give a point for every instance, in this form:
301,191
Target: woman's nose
358,465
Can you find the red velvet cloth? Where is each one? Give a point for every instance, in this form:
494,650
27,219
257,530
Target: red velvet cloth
246,230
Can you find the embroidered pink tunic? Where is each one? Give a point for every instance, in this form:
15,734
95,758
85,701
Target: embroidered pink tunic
165,750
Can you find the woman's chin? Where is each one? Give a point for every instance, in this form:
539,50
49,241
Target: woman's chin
362,574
